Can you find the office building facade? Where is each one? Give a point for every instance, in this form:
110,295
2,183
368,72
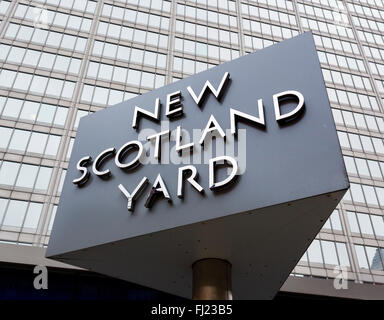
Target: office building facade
61,60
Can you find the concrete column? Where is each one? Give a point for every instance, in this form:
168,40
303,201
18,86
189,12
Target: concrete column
212,280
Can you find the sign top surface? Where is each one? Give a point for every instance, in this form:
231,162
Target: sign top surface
282,162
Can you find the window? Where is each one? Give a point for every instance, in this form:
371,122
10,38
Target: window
44,37
37,84
346,79
135,77
70,147
207,32
352,99
33,216
34,112
266,14
336,44
206,50
188,66
62,178
18,214
314,252
341,61
135,17
8,172
206,15
31,142
24,175
370,257
125,33
375,53
57,19
327,252
266,30
79,115
4,5
38,59
366,195
369,37
53,215
364,168
286,4
256,43
15,214
361,143
330,28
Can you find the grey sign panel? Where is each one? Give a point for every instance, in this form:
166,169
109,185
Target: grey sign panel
292,177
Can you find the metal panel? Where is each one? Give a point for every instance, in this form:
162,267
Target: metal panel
299,162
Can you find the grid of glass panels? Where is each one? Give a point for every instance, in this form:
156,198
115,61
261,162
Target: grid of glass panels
61,60
350,49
